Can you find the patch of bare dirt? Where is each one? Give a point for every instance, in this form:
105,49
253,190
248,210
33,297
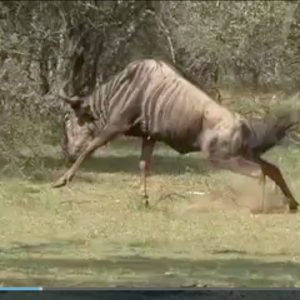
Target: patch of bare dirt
206,204
249,193
241,193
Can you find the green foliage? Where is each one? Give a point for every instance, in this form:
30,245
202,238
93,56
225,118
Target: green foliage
253,42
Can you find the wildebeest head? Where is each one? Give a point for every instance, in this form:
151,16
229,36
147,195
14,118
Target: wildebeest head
78,126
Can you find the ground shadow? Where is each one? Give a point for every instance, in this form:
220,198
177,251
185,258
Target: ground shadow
54,247
161,164
121,155
42,169
142,271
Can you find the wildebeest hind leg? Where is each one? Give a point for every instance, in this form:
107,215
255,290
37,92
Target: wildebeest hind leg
256,169
263,183
274,173
107,134
145,161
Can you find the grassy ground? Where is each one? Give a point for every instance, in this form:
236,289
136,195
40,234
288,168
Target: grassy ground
198,231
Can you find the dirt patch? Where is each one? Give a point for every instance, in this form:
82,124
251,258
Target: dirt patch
249,194
206,204
241,193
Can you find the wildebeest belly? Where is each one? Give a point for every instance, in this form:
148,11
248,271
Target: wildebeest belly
182,137
183,140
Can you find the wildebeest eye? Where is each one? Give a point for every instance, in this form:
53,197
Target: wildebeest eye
75,105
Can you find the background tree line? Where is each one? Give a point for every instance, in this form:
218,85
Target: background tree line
253,45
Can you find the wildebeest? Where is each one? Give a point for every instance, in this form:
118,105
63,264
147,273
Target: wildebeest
152,100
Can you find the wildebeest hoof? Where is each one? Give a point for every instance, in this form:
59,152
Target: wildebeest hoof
145,198
60,182
146,203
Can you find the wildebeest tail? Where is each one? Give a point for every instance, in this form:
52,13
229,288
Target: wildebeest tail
265,134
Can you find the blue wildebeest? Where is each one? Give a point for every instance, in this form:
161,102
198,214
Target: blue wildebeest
152,100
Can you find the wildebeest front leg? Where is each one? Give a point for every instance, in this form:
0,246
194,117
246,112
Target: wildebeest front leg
145,161
105,136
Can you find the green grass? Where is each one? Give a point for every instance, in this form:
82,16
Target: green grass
96,232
